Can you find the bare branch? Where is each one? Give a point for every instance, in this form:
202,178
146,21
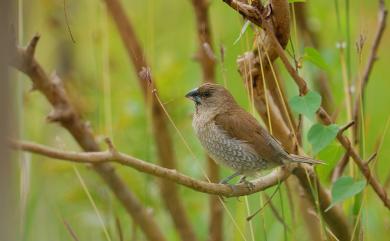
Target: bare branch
373,56
325,117
375,46
346,127
260,183
277,23
371,158
339,168
161,133
247,11
65,114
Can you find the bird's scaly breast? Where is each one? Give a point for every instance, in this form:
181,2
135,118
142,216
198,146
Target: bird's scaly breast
225,150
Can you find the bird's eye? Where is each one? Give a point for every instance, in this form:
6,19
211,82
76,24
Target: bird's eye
207,94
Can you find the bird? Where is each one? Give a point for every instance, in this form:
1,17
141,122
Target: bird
232,137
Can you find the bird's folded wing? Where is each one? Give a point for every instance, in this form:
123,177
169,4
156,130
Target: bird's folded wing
241,125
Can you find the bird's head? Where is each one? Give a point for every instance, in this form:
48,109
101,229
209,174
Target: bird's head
211,97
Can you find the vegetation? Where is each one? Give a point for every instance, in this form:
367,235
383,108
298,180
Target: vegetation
314,73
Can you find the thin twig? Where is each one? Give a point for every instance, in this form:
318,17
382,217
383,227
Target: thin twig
275,211
67,23
70,230
346,127
373,56
339,168
269,200
371,158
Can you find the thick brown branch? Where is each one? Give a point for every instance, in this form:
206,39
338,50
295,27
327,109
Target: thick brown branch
247,11
162,137
65,114
268,50
172,175
258,72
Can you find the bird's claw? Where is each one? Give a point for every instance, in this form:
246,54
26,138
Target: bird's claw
232,187
249,185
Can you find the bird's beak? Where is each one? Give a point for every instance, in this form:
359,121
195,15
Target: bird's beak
193,95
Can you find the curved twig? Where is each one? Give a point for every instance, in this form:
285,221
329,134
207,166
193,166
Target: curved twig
372,58
112,155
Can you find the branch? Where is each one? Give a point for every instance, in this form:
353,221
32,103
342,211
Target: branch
340,166
207,60
325,117
374,48
247,11
369,66
65,114
172,175
161,134
256,68
278,22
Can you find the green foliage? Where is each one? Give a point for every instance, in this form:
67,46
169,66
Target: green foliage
307,104
320,136
314,57
344,188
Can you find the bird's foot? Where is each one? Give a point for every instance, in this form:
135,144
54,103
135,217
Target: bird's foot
248,184
225,182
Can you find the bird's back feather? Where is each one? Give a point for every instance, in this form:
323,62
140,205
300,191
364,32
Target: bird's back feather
241,125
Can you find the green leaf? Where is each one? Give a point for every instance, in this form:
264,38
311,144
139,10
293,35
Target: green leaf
345,187
307,104
296,1
321,136
313,56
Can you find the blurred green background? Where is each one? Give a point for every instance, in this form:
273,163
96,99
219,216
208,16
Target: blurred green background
105,90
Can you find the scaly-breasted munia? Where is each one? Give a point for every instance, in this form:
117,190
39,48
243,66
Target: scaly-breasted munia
232,136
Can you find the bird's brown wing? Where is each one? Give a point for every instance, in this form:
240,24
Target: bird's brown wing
241,125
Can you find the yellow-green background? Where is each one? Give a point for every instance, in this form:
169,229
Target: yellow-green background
167,32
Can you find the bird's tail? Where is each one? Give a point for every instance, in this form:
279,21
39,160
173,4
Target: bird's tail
303,159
